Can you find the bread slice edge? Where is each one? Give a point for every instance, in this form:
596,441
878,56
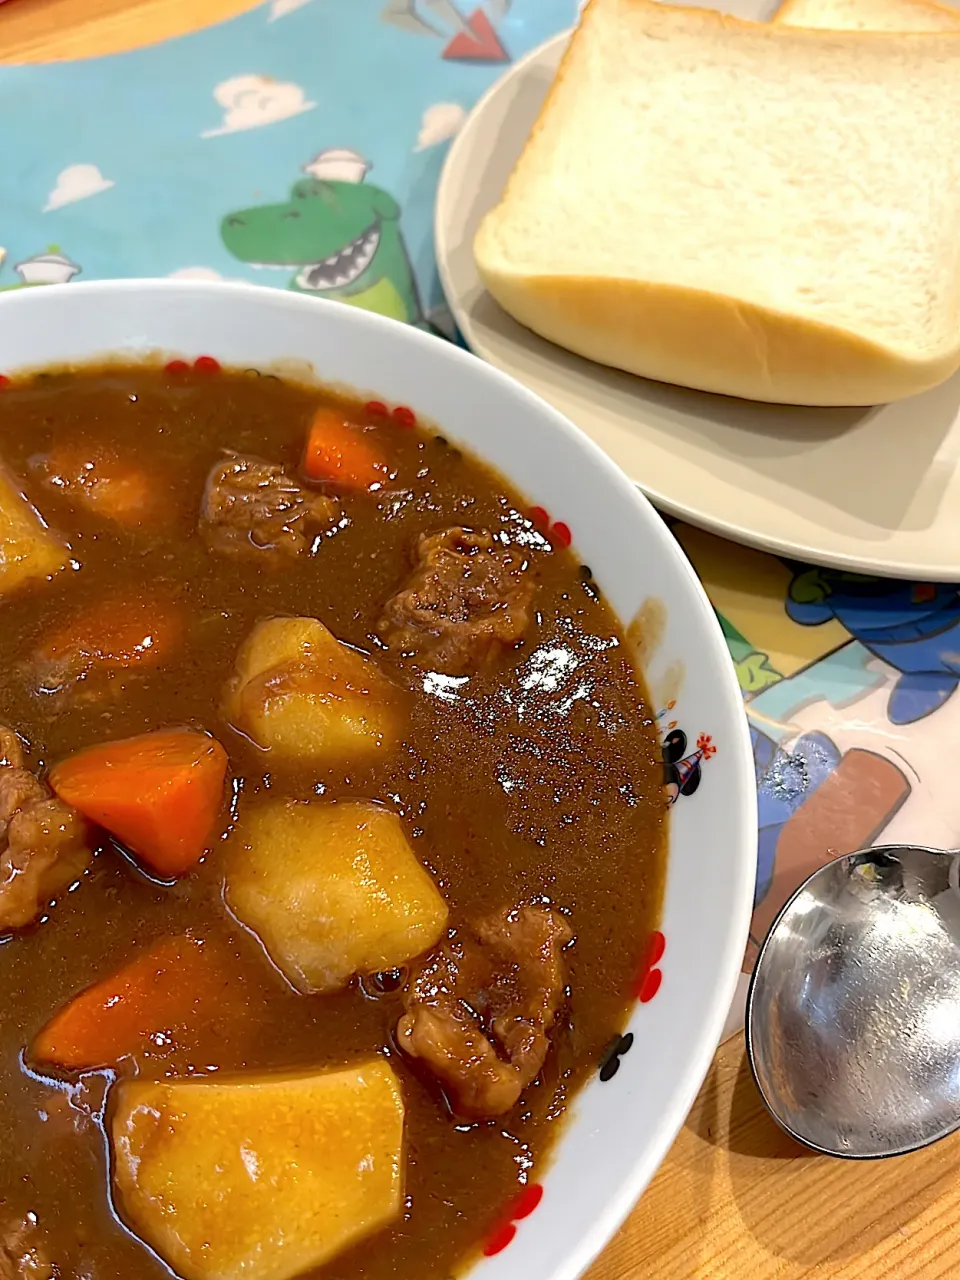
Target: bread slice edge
712,342
930,16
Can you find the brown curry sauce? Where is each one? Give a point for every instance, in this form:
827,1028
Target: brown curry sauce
537,780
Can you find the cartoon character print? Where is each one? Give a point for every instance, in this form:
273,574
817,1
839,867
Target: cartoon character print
337,234
51,267
467,37
822,790
754,672
682,772
786,779
914,627
815,803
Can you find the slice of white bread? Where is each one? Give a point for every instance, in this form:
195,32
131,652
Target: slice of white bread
744,208
869,15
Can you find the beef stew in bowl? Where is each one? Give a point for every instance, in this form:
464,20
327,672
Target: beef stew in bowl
332,830
553,1206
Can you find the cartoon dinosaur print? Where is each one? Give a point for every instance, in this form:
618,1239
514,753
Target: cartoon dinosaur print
339,235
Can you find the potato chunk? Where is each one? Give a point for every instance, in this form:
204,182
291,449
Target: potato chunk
263,1178
299,692
331,889
28,550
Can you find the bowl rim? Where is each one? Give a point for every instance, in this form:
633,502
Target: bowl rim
741,802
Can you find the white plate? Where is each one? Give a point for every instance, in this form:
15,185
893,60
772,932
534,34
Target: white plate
871,489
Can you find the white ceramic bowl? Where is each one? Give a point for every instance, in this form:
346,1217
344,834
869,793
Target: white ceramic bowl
619,1130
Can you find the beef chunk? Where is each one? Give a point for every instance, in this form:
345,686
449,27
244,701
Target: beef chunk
44,844
23,1255
466,599
11,750
479,1008
254,507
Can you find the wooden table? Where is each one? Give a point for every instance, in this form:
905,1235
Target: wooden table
735,1197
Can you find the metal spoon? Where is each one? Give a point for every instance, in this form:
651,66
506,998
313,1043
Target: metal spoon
853,1012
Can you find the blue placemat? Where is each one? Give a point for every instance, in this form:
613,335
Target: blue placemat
280,137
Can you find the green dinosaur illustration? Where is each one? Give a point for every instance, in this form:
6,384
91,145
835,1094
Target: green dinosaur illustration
342,239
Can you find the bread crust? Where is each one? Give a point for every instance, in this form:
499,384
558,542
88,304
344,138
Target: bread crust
711,342
946,15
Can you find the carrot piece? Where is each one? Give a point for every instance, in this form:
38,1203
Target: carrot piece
340,453
156,994
96,476
159,793
114,634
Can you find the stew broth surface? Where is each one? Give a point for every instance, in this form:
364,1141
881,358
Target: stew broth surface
537,779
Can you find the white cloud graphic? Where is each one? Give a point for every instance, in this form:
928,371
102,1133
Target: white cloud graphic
196,273
280,8
204,273
76,182
250,102
440,122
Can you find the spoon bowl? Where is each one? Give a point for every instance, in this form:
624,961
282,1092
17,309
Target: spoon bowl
853,1012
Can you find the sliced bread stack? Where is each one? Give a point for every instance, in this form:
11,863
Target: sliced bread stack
761,210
